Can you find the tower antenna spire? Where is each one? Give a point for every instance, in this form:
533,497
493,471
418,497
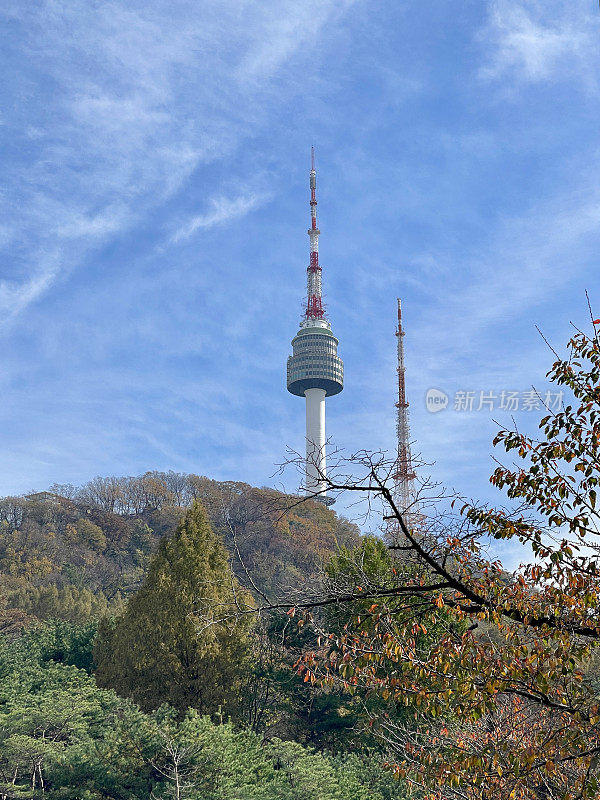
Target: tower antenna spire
315,371
314,299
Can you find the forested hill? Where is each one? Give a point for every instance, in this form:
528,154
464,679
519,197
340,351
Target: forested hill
75,553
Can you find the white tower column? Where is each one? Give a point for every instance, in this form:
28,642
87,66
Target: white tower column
315,441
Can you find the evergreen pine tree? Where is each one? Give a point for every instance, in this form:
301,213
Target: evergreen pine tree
178,641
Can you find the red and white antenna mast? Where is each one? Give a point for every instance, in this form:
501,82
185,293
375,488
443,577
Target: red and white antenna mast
314,301
404,477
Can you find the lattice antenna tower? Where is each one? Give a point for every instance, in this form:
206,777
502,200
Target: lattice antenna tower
404,476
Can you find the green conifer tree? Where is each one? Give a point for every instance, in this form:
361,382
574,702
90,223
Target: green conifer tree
179,640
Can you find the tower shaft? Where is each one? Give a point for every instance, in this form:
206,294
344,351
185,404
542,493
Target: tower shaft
316,463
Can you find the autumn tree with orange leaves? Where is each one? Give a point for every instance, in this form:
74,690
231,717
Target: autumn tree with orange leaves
500,671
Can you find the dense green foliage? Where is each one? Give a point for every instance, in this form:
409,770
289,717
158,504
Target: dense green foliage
121,676
65,738
180,640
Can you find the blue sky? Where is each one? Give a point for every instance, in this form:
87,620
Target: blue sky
155,164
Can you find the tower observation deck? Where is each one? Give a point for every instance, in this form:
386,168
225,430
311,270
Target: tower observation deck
315,371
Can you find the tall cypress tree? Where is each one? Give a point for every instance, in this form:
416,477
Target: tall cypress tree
179,641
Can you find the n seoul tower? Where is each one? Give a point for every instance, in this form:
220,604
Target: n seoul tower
315,370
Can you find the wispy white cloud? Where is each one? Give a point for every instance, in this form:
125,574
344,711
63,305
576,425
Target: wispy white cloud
16,295
294,26
535,41
126,101
86,226
220,211
524,265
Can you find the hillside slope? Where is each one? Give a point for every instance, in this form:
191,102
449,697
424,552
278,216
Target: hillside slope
76,553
